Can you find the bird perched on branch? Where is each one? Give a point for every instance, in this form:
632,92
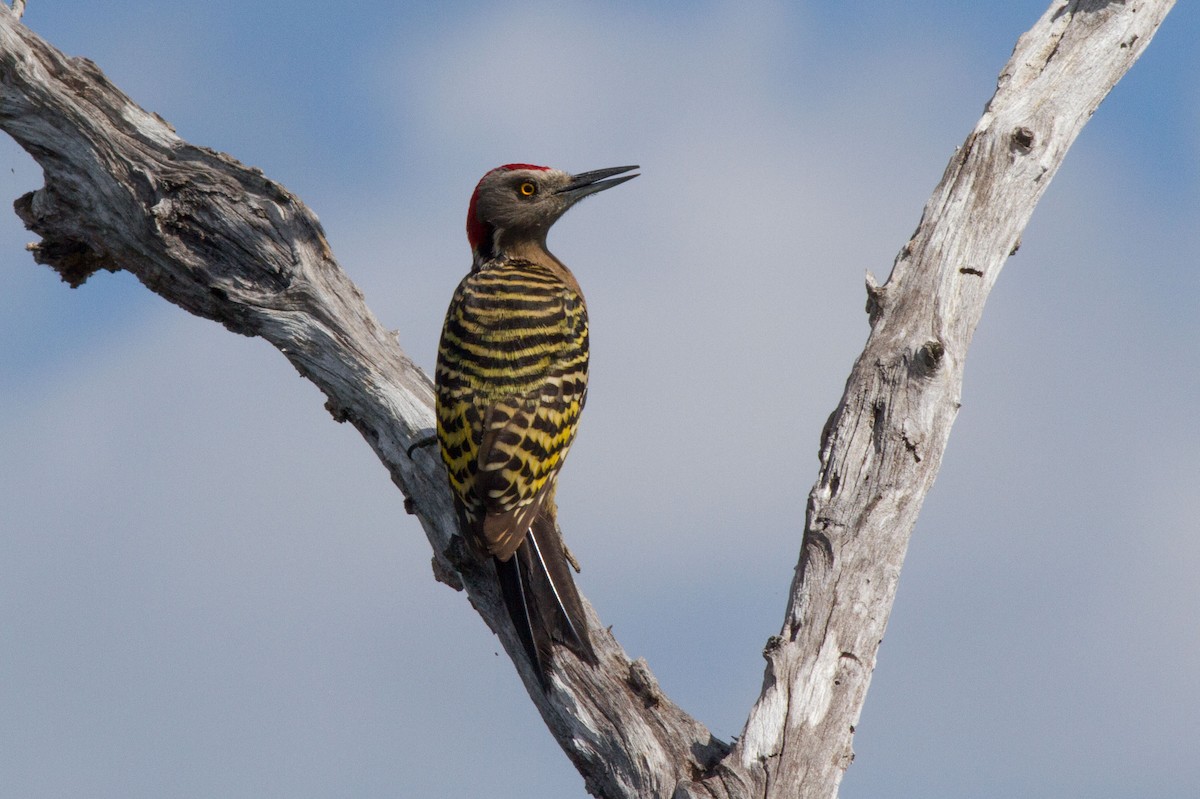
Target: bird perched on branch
511,380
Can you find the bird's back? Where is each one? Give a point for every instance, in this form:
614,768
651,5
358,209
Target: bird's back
511,382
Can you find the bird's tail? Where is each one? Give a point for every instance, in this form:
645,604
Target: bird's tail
542,600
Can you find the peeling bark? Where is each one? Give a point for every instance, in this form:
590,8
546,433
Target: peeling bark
222,241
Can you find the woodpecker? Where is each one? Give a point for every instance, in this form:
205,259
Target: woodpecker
511,381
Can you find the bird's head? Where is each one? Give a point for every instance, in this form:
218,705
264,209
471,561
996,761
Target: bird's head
518,203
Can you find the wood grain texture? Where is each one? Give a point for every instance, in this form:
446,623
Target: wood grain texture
220,240
882,447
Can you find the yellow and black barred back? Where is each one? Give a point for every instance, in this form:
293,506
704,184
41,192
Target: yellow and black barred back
511,381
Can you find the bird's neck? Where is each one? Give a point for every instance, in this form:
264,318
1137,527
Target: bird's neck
531,250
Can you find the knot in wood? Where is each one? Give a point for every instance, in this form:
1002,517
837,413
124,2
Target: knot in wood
458,554
876,297
335,409
446,575
929,356
642,681
1022,140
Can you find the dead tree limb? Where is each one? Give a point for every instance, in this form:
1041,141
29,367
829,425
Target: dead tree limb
222,241
882,447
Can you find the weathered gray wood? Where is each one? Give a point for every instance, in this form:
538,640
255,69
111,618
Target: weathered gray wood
883,445
222,241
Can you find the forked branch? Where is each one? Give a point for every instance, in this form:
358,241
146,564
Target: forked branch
220,240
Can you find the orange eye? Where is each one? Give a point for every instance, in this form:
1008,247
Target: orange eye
527,189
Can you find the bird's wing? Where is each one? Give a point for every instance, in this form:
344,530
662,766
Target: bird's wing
511,381
525,441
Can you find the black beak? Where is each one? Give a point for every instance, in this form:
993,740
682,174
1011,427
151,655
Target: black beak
586,183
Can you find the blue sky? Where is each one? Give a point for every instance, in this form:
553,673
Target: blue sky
207,588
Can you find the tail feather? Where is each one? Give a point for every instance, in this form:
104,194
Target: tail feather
512,587
542,600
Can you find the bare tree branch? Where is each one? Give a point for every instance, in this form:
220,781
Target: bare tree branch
220,240
223,242
882,447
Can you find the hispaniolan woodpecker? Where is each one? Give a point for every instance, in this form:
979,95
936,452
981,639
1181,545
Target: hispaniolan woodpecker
511,380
